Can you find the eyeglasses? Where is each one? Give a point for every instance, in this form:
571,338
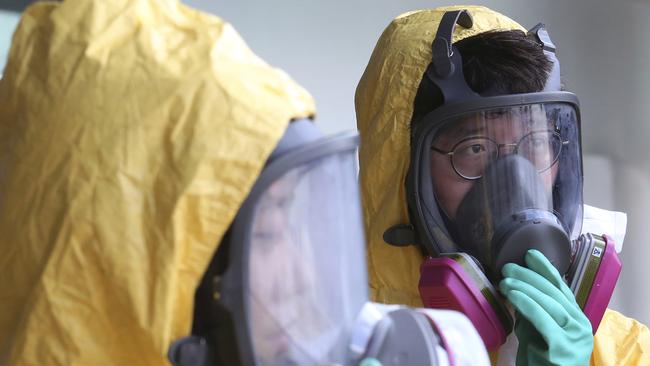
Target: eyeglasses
470,156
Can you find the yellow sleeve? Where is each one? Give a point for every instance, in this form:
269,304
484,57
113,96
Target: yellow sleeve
621,341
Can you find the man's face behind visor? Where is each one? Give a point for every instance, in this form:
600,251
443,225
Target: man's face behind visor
469,144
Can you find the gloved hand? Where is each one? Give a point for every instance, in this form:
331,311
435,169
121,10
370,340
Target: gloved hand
550,326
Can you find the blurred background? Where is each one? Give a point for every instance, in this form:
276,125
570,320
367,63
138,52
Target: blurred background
602,47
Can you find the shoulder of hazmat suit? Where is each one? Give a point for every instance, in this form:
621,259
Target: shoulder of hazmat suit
384,105
131,132
621,341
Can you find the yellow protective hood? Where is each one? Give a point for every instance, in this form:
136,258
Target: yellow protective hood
131,131
384,104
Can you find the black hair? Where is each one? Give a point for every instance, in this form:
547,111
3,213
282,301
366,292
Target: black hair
494,63
506,61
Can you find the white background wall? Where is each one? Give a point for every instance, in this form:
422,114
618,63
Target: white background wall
602,46
8,22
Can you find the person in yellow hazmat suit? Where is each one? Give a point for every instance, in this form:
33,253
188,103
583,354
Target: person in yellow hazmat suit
131,133
470,167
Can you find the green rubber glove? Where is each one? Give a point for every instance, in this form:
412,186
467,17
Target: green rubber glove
370,362
550,326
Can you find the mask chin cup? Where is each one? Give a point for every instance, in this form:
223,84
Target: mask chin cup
454,281
530,229
593,275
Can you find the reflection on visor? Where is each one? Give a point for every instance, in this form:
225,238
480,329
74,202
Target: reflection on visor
526,128
471,156
488,166
307,271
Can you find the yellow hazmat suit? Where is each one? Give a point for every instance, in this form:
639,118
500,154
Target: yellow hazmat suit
130,133
384,104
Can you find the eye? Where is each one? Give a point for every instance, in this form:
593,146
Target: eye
472,149
539,142
477,148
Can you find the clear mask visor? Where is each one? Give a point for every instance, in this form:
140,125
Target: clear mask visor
497,166
307,271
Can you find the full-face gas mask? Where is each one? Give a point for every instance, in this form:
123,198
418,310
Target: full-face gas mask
491,177
288,284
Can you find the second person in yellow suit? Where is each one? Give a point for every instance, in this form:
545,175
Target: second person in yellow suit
393,96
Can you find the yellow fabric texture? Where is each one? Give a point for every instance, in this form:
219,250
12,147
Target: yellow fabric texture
384,104
620,341
131,131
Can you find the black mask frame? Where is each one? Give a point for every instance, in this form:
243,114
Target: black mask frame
428,229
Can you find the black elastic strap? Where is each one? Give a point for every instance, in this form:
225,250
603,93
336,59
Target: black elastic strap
446,67
400,235
442,44
540,35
